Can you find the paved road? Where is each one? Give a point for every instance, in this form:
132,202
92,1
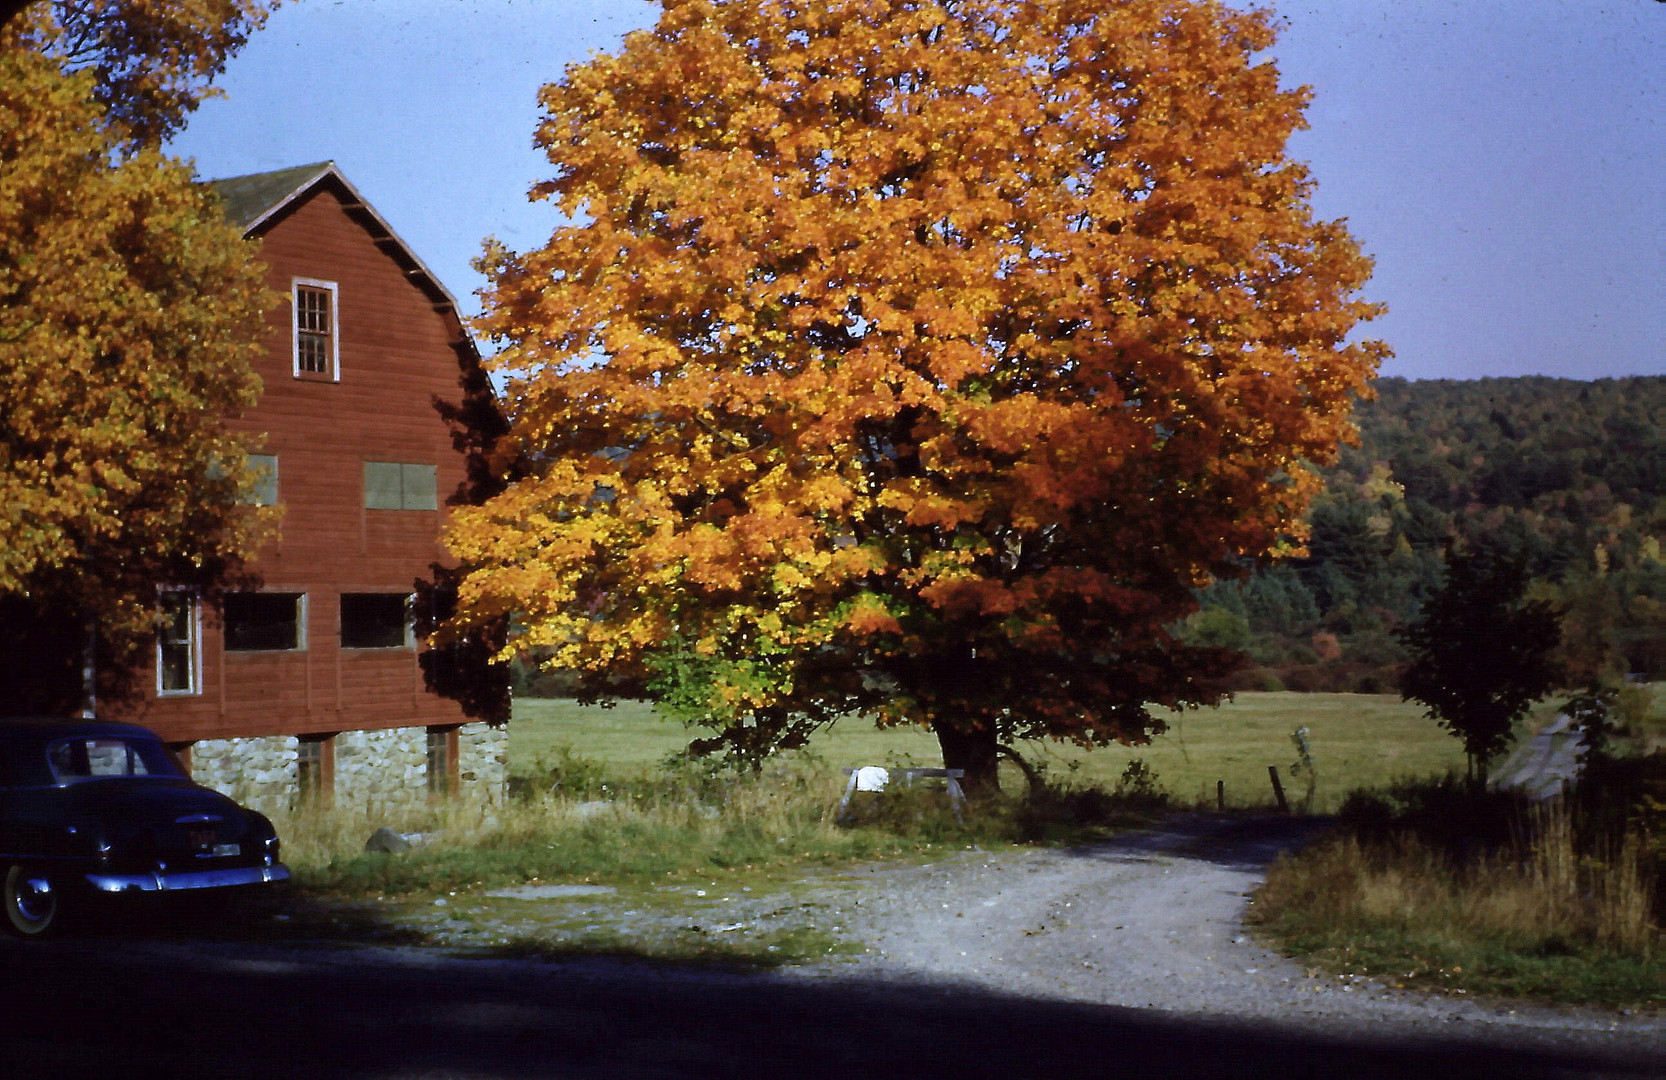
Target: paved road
1542,765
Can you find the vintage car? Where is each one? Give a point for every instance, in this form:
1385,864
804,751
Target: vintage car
93,809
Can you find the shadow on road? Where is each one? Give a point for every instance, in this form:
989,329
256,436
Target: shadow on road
161,1005
1235,841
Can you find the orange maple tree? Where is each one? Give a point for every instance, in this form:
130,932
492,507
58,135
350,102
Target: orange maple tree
912,356
130,316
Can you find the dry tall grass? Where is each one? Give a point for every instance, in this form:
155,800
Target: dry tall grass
687,818
315,835
1540,895
575,822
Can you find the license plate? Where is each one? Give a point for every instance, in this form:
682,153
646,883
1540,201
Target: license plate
225,849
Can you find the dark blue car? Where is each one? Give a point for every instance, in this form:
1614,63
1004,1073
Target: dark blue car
90,808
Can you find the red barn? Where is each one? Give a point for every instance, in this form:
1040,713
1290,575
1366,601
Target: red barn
312,684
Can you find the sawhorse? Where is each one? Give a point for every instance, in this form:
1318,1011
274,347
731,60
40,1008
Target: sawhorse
862,776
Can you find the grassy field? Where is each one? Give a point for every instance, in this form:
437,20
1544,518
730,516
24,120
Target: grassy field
1356,740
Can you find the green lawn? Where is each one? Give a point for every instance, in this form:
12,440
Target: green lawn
1357,740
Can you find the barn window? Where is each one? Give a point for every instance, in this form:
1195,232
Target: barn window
315,767
376,621
442,761
259,622
392,485
178,660
316,334
263,485
264,490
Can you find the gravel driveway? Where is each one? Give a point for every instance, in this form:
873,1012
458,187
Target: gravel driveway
1153,921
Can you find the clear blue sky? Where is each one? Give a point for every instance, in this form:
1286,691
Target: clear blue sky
1504,162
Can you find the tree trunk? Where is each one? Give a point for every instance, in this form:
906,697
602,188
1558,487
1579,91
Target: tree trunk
975,751
1032,775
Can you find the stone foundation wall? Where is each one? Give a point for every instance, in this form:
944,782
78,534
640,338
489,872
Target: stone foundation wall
381,768
258,772
483,759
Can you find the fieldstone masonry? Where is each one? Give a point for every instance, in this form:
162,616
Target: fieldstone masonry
258,772
381,767
483,758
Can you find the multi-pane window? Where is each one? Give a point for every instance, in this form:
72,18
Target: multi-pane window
257,622
442,761
177,657
392,485
315,769
375,620
316,337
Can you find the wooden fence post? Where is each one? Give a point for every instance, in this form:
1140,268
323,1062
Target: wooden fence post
1278,790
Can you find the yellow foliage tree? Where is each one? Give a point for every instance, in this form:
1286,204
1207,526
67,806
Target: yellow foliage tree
130,316
916,357
151,61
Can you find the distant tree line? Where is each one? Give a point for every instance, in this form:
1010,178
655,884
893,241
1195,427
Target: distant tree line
1566,477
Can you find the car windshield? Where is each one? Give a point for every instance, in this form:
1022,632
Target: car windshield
91,757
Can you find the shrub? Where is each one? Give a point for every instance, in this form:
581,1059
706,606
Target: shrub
562,770
1252,677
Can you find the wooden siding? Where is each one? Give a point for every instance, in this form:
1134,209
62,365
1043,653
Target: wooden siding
396,356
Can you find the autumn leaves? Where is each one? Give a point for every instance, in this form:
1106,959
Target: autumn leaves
887,332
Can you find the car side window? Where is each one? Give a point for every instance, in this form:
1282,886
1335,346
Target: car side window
62,757
91,757
112,757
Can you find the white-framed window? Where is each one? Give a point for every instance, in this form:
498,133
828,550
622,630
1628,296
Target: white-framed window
392,485
264,621
376,621
178,645
317,334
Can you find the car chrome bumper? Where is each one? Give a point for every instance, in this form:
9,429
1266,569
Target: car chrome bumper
193,879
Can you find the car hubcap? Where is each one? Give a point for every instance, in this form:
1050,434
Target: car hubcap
32,898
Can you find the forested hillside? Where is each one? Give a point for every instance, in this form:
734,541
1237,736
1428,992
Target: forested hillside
1571,474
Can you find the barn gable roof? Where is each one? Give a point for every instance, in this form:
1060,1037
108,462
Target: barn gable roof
257,201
